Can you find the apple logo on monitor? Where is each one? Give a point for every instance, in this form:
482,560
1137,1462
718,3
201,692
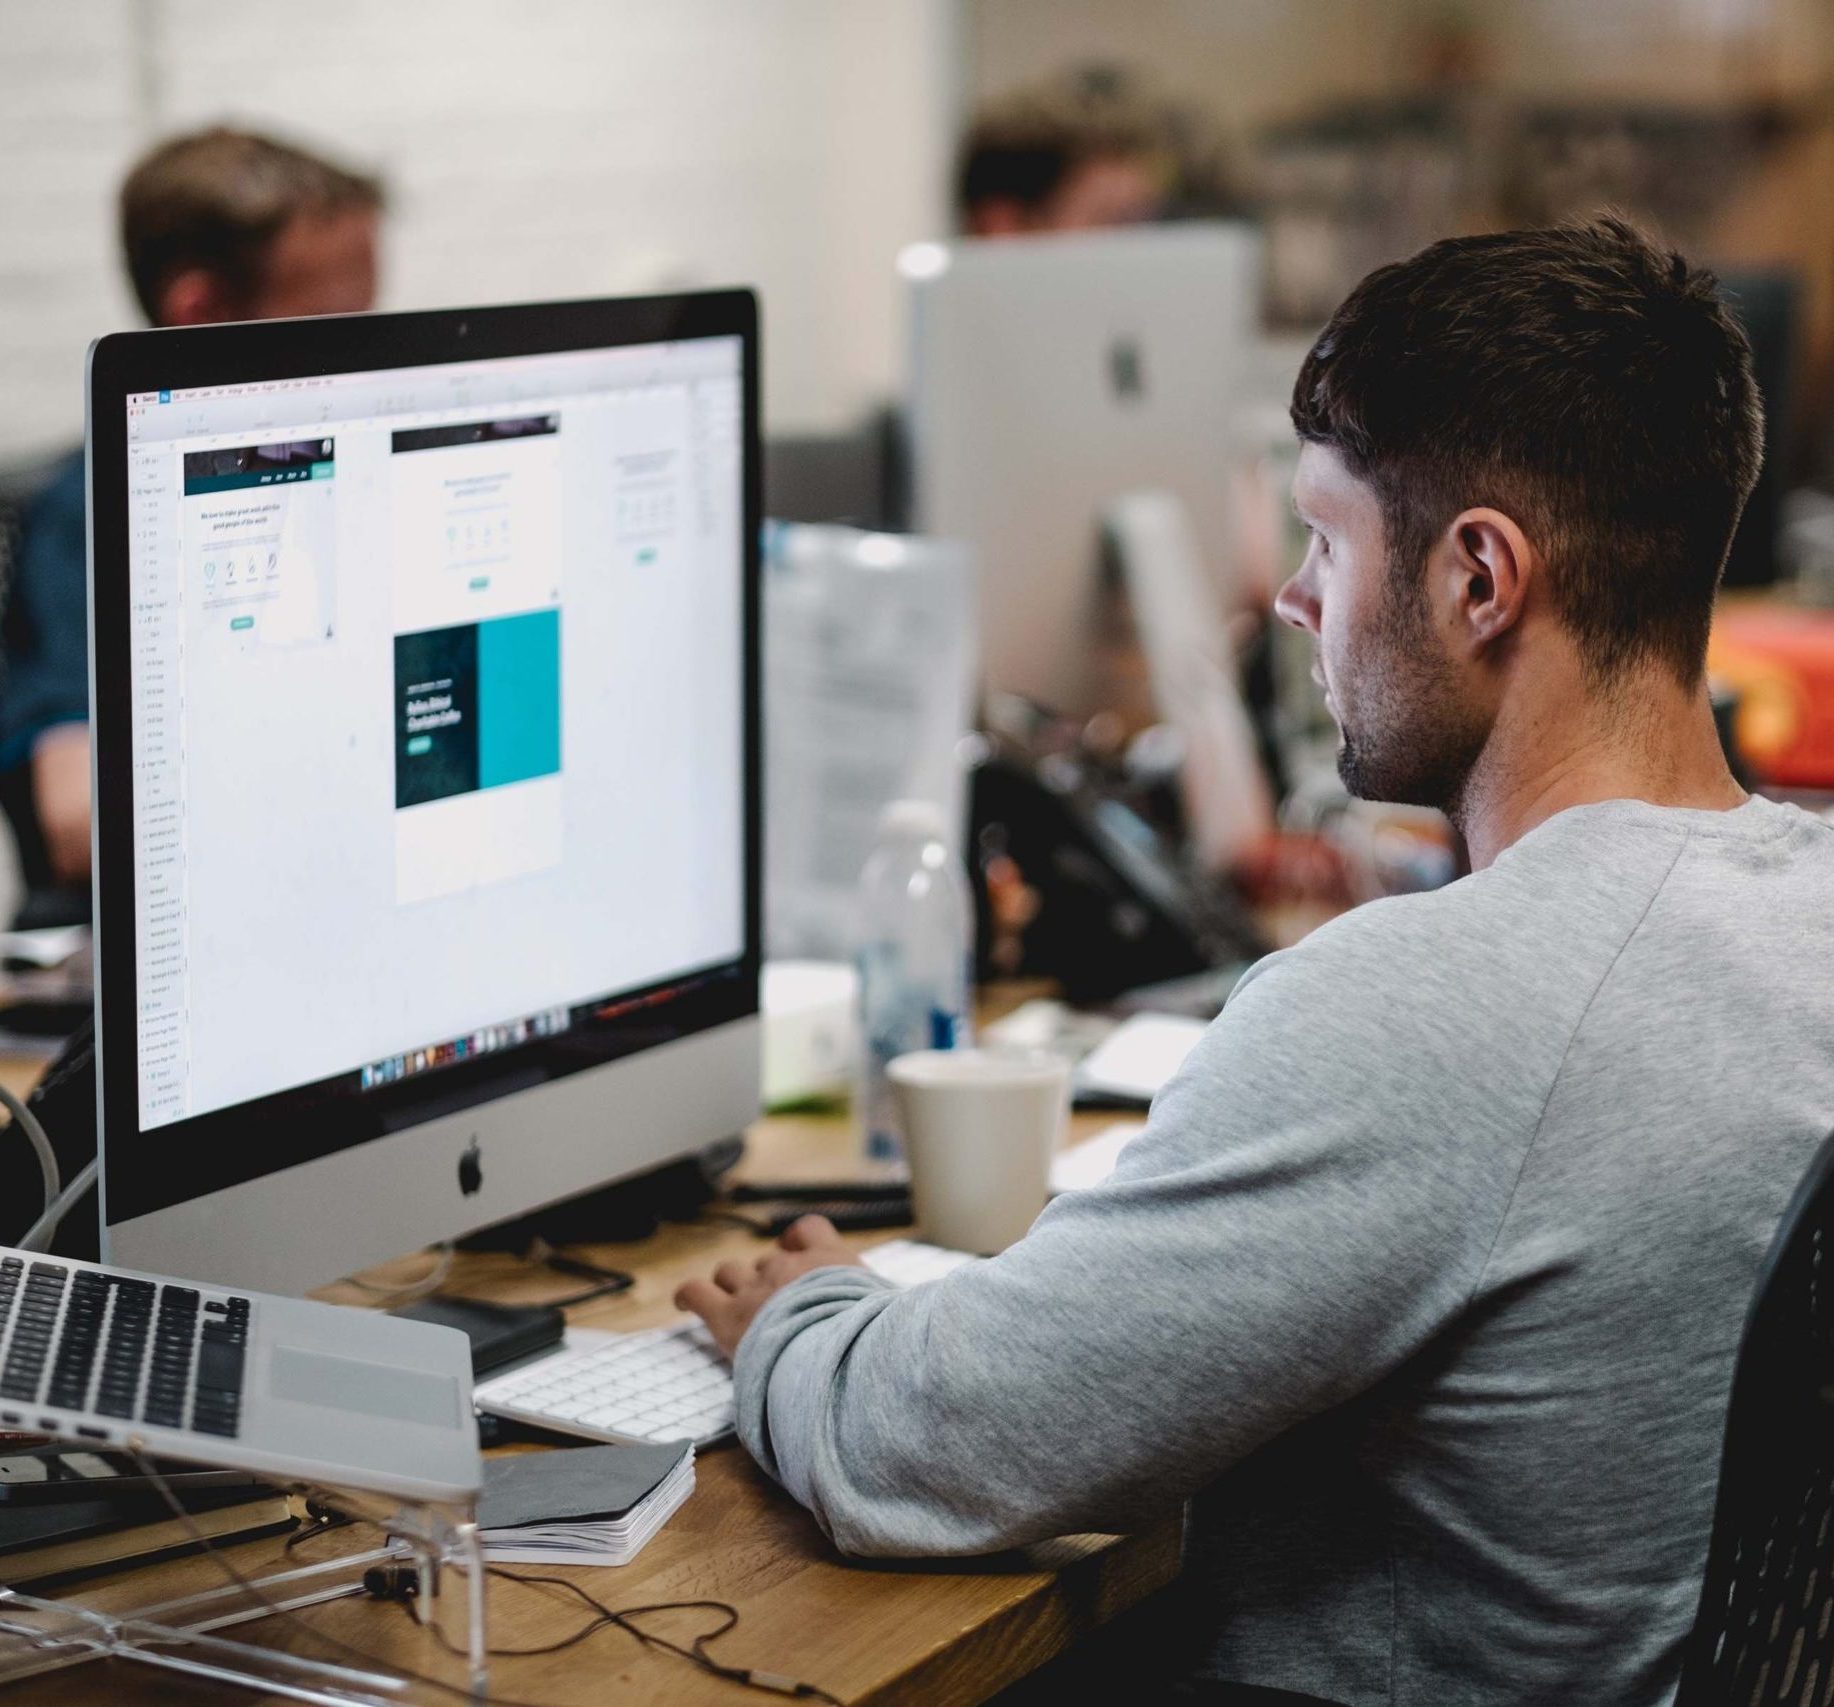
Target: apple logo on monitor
1126,370
471,1169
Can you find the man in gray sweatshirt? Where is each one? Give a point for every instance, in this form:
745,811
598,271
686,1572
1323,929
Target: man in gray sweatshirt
1424,1283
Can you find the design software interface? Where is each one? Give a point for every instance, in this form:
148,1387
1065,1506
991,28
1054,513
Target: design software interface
438,710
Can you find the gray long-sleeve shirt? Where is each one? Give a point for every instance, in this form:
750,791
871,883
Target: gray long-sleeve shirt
1424,1283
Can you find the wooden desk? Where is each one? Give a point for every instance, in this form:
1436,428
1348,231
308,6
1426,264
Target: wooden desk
957,1631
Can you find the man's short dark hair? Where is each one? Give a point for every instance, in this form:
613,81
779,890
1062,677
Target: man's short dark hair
1583,380
217,198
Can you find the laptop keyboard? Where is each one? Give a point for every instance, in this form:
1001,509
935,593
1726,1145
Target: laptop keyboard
663,1384
81,1340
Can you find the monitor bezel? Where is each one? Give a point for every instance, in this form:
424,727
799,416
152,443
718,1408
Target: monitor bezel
143,1173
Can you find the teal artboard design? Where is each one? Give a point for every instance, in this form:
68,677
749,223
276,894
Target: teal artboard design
518,698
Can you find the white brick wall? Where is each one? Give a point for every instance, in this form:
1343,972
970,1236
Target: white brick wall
534,148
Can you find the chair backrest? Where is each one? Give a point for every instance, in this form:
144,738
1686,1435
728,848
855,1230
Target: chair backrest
1764,1633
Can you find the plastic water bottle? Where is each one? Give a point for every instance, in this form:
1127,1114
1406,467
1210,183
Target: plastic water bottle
916,937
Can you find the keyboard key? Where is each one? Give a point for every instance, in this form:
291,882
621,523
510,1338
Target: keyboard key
38,1307
617,1420
219,1365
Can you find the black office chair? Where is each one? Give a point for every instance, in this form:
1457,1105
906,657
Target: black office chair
1764,1633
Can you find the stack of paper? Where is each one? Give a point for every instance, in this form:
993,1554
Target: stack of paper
584,1505
1092,1161
1137,1059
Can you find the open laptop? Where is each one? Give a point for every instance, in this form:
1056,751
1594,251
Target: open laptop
298,1391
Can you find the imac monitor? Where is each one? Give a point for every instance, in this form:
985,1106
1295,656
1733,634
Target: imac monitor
1051,376
426,715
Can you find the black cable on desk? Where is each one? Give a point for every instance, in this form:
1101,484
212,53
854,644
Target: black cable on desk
696,1654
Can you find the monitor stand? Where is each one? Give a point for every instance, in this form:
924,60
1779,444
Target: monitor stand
1190,662
620,1213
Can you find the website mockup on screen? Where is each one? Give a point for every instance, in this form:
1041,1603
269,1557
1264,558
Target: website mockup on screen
438,730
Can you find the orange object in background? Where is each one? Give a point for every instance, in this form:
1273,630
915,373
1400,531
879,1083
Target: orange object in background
1780,659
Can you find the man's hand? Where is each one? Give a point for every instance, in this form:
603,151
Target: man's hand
737,1292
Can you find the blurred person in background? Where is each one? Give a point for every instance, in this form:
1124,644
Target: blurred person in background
216,225
1099,148
1087,150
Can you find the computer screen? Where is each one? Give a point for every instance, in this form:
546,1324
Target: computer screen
438,736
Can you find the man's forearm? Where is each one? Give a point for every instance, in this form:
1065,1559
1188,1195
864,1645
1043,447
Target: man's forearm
1265,1251
849,1455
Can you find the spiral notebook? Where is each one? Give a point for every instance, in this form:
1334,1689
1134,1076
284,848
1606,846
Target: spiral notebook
581,1505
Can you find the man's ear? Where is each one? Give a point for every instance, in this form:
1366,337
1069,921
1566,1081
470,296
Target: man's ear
1487,568
196,297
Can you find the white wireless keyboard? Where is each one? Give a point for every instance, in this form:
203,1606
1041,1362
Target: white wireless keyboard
664,1384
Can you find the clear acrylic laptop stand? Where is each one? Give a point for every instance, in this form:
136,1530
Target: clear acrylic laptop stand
41,1635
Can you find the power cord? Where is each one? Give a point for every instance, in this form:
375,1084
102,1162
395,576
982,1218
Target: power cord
39,1235
321,1520
401,1586
27,1122
394,1586
609,1280
540,1253
431,1281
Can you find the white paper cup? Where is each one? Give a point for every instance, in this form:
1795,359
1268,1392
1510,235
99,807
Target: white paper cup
980,1130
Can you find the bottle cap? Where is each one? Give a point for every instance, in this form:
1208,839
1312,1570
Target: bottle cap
914,818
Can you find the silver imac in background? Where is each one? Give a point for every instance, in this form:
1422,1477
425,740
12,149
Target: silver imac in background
1051,376
426,711
1090,398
